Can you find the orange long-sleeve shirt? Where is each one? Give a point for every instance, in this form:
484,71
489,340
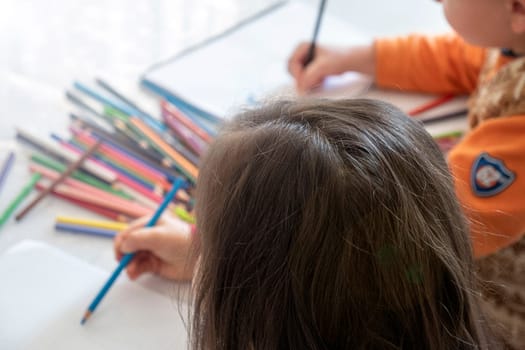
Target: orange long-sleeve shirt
488,165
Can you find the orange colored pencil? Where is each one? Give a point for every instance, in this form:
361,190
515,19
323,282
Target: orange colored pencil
184,165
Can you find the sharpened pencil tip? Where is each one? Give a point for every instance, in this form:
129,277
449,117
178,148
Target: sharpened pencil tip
86,317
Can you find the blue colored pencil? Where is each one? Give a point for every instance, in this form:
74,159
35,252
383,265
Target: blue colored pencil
8,164
178,184
94,231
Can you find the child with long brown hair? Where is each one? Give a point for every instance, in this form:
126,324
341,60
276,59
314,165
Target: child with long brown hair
322,225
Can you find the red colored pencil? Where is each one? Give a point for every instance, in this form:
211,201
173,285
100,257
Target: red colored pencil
429,105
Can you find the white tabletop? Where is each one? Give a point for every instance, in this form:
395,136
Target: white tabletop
46,45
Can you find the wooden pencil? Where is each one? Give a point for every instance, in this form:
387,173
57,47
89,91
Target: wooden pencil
126,259
93,231
189,169
429,105
24,192
8,164
108,225
72,167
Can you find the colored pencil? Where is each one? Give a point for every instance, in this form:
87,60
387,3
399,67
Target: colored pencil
53,175
108,213
102,121
145,141
85,178
311,50
141,113
64,155
107,225
172,111
8,164
24,192
120,174
189,169
193,142
100,232
72,167
123,143
179,183
429,105
184,215
459,113
120,205
123,158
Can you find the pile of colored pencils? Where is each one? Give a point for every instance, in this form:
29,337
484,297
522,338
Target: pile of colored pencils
138,158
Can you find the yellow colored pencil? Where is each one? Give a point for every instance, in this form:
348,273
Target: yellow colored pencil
108,225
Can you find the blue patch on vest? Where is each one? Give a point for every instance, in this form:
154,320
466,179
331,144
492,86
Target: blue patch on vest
490,176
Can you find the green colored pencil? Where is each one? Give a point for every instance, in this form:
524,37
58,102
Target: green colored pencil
77,175
26,190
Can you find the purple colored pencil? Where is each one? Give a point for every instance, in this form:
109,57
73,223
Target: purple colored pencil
8,164
93,231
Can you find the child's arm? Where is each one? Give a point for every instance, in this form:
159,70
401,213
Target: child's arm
490,182
164,249
439,64
328,61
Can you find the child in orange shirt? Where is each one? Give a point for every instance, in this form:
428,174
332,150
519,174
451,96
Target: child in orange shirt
489,164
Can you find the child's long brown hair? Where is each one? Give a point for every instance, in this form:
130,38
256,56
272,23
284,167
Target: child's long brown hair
331,225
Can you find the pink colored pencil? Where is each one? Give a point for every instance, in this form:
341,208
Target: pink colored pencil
124,159
187,122
52,175
129,208
110,214
197,145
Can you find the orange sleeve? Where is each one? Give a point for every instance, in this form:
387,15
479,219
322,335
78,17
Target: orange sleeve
440,64
489,173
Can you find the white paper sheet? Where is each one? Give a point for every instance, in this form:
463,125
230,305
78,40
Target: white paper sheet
44,293
250,62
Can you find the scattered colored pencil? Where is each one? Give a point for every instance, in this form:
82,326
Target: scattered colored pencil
24,192
179,183
429,105
182,163
86,230
58,181
107,225
107,213
8,164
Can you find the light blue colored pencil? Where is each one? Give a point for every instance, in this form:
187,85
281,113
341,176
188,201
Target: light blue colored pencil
178,184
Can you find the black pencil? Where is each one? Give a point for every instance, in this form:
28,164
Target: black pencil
311,50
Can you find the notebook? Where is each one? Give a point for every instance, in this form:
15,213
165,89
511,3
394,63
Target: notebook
45,292
247,64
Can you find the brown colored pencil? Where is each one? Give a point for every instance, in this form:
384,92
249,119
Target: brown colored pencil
72,167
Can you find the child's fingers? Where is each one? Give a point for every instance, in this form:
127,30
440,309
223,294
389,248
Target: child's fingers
120,237
143,263
148,239
296,61
312,76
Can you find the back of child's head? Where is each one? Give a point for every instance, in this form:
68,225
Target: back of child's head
330,225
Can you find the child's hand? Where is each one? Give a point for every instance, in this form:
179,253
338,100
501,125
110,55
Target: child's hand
163,249
328,61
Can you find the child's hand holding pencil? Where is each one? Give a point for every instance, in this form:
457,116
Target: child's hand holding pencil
164,249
